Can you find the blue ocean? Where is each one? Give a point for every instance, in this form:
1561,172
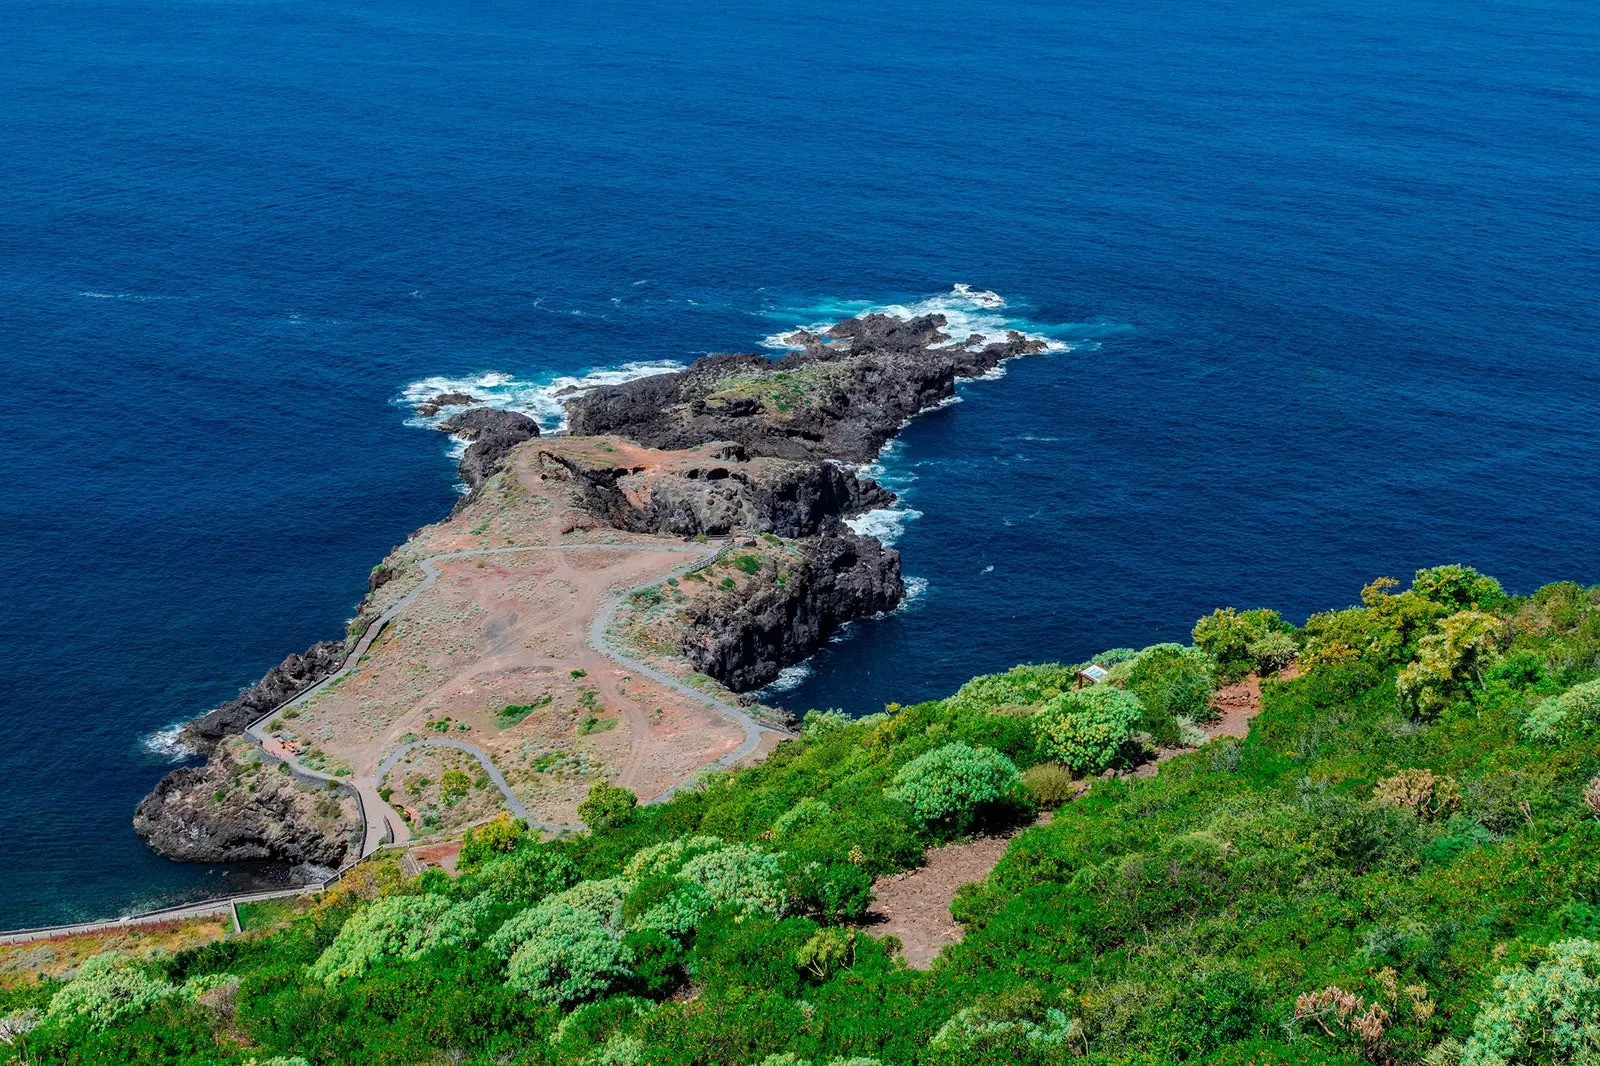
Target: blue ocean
1322,276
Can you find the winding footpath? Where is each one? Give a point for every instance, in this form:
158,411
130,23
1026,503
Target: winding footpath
381,824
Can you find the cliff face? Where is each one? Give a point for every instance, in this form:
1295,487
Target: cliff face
717,492
282,681
493,434
782,617
841,400
232,811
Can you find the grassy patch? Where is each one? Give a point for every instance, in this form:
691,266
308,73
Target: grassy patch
514,713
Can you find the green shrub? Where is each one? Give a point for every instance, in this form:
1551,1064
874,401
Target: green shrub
1226,635
1086,729
948,786
740,877
1542,723
108,989
1021,686
1450,663
1172,682
1458,588
607,806
829,892
401,927
1273,651
807,812
817,724
499,836
1049,784
572,955
826,953
526,875
666,857
1550,1014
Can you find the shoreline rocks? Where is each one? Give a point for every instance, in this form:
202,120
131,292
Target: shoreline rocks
744,641
842,401
237,811
295,673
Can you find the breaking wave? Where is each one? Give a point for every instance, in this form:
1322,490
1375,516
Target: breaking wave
167,744
966,310
542,399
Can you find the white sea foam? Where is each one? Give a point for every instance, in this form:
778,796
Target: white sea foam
887,524
542,399
790,677
167,744
133,297
966,311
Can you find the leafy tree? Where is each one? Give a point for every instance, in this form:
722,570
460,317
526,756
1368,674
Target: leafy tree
108,989
499,836
401,927
607,806
1086,729
1449,663
1458,588
948,786
1550,1014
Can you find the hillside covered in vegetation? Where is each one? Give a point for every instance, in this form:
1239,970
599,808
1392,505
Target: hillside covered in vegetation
1399,864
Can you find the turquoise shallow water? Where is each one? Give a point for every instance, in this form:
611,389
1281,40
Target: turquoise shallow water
1327,272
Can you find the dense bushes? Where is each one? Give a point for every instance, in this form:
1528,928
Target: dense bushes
607,807
947,788
1549,1014
1086,730
1342,886
399,927
1237,641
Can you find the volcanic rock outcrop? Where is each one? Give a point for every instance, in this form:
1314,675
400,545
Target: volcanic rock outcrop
294,674
229,812
715,493
493,434
744,640
842,400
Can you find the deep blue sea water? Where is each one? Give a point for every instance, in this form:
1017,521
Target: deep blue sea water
1328,269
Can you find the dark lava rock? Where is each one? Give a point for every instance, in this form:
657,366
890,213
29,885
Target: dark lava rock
493,434
210,814
744,638
294,674
836,401
429,408
791,499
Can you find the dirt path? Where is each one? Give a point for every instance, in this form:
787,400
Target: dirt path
915,905
374,759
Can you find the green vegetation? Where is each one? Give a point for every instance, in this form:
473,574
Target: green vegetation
513,714
607,806
1399,865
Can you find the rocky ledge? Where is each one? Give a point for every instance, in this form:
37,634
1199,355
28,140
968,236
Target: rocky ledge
493,434
238,810
842,397
715,490
786,612
294,674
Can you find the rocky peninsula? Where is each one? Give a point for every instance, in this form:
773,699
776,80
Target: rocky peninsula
745,447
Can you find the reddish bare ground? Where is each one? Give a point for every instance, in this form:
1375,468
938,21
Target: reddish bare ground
915,906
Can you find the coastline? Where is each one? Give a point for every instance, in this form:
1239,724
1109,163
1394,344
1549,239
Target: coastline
763,475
